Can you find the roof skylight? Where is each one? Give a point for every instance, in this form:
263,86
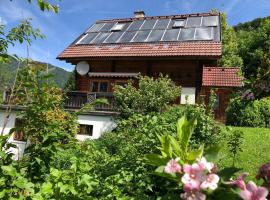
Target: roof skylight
118,27
179,23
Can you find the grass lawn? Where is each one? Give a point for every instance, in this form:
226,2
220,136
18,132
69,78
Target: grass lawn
256,151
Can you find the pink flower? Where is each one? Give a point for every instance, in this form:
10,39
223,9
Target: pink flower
210,182
252,192
192,192
172,166
206,165
193,174
239,182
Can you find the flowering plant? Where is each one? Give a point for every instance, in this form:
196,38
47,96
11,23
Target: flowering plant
195,177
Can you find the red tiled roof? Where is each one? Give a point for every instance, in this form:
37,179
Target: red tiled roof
211,49
218,76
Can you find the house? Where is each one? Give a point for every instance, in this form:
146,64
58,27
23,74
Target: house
185,47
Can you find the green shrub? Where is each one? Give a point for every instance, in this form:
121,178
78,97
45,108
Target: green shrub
249,113
151,95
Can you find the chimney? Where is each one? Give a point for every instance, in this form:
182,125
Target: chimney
139,14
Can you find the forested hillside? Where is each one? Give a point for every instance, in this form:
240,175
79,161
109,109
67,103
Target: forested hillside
8,70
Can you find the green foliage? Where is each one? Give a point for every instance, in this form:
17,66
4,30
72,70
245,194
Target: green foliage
46,5
254,152
254,39
8,72
70,83
152,95
248,113
24,32
235,142
230,47
177,146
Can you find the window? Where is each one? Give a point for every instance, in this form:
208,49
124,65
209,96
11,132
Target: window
99,86
118,27
103,87
19,134
85,130
179,23
95,87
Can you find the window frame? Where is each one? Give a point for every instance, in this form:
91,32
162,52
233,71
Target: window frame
179,26
98,87
86,126
18,136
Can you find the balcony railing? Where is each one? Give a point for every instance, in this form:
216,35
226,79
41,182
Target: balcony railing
78,99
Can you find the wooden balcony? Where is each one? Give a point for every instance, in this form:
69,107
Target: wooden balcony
77,100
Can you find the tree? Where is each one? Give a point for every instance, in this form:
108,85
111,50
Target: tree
230,52
254,47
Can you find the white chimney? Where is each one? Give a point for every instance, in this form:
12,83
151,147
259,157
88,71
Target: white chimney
139,14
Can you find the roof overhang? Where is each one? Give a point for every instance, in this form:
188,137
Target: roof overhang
140,50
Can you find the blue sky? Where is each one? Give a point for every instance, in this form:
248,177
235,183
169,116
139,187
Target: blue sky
76,15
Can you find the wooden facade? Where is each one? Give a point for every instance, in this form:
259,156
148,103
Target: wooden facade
185,73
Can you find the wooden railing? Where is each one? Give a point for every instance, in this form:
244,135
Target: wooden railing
76,99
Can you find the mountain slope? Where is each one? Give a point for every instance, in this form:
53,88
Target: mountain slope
8,71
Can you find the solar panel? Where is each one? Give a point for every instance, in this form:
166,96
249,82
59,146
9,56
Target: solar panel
193,21
148,24
210,21
216,33
155,35
107,26
127,37
204,33
100,38
162,24
187,34
135,25
113,37
88,38
141,36
171,35
96,27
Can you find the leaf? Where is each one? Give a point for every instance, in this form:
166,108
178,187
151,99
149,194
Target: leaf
211,153
47,188
184,131
228,172
176,147
155,160
55,173
9,170
195,154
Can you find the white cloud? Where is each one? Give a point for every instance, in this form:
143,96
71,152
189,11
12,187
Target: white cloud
2,21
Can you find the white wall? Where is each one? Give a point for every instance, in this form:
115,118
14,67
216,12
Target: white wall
190,93
101,124
18,152
11,121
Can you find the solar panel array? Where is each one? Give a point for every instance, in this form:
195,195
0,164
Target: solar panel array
205,28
